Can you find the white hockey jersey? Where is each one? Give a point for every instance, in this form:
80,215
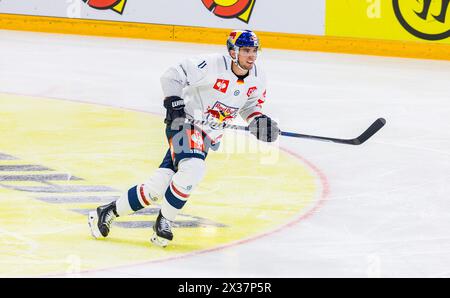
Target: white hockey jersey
212,92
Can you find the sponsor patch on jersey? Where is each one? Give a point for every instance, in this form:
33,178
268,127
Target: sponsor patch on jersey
220,112
251,90
196,140
221,85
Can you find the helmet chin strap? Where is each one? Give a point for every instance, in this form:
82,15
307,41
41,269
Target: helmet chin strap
236,60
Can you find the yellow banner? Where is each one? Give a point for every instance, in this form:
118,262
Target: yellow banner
406,20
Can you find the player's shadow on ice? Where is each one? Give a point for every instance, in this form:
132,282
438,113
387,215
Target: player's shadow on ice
141,243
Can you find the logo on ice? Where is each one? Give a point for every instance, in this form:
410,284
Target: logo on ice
230,9
115,5
425,19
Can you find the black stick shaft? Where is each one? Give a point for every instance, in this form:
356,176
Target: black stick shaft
374,128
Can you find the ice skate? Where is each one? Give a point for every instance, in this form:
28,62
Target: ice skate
100,220
162,231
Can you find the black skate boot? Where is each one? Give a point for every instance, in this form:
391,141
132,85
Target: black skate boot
100,220
162,231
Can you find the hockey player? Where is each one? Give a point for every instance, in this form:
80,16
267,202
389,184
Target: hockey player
215,88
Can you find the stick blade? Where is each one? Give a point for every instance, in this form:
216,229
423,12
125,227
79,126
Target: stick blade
373,129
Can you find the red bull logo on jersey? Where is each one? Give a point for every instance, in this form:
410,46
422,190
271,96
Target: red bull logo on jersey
220,112
230,9
221,85
115,5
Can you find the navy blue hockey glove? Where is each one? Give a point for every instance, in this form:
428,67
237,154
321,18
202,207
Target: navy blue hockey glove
174,110
264,128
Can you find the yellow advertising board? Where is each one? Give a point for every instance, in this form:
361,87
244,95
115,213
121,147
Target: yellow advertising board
405,20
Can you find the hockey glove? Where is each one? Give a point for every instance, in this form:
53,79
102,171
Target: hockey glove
174,111
264,128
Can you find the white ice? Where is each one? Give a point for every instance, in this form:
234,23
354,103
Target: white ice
388,211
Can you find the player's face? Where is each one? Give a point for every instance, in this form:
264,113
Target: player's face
247,57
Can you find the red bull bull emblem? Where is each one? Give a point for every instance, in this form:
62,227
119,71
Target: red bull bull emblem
221,85
221,113
115,5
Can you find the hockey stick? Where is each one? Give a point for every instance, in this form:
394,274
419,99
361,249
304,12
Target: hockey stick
373,129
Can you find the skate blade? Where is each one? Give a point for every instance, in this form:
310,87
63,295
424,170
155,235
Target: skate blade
92,220
155,239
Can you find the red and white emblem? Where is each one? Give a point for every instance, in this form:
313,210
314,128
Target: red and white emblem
221,85
251,90
196,140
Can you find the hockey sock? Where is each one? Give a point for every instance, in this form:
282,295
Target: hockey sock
190,172
142,195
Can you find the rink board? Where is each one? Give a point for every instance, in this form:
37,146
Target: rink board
371,27
298,17
403,20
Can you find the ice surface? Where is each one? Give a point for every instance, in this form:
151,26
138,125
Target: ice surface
387,213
